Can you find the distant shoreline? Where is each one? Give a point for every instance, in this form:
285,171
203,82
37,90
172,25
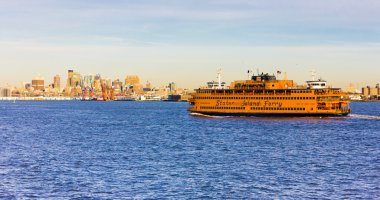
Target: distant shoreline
80,99
71,99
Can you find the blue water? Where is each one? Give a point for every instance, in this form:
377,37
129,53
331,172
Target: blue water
153,150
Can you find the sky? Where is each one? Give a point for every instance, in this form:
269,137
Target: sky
187,41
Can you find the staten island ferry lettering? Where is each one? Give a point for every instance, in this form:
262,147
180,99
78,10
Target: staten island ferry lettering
249,103
264,95
224,103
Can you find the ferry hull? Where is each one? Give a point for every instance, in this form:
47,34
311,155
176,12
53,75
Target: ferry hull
272,114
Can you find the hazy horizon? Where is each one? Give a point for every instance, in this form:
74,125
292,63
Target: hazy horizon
186,42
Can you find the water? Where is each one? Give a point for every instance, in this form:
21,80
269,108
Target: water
153,150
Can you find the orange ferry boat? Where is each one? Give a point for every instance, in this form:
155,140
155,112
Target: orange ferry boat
264,95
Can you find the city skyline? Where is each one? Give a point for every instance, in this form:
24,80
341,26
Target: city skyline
186,42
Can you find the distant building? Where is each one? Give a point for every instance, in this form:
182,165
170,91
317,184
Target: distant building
132,79
57,82
117,85
351,88
371,92
365,91
148,85
38,83
73,84
132,84
73,79
88,81
5,92
172,87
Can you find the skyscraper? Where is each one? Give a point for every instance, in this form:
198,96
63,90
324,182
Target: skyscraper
57,82
73,79
73,84
38,83
133,83
172,87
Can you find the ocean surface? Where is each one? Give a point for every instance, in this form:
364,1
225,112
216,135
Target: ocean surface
157,150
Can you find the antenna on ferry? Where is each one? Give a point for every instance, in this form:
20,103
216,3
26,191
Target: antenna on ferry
219,78
249,71
313,74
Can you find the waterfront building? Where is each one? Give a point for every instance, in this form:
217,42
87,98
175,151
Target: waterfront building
369,91
5,92
38,83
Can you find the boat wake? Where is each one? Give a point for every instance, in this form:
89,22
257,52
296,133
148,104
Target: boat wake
364,116
208,116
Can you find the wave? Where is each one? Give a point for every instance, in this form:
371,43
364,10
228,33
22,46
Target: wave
364,116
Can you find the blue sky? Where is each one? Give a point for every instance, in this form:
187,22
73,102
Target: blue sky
165,41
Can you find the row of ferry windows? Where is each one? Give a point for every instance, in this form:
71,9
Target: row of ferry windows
260,98
222,108
230,91
270,108
252,108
